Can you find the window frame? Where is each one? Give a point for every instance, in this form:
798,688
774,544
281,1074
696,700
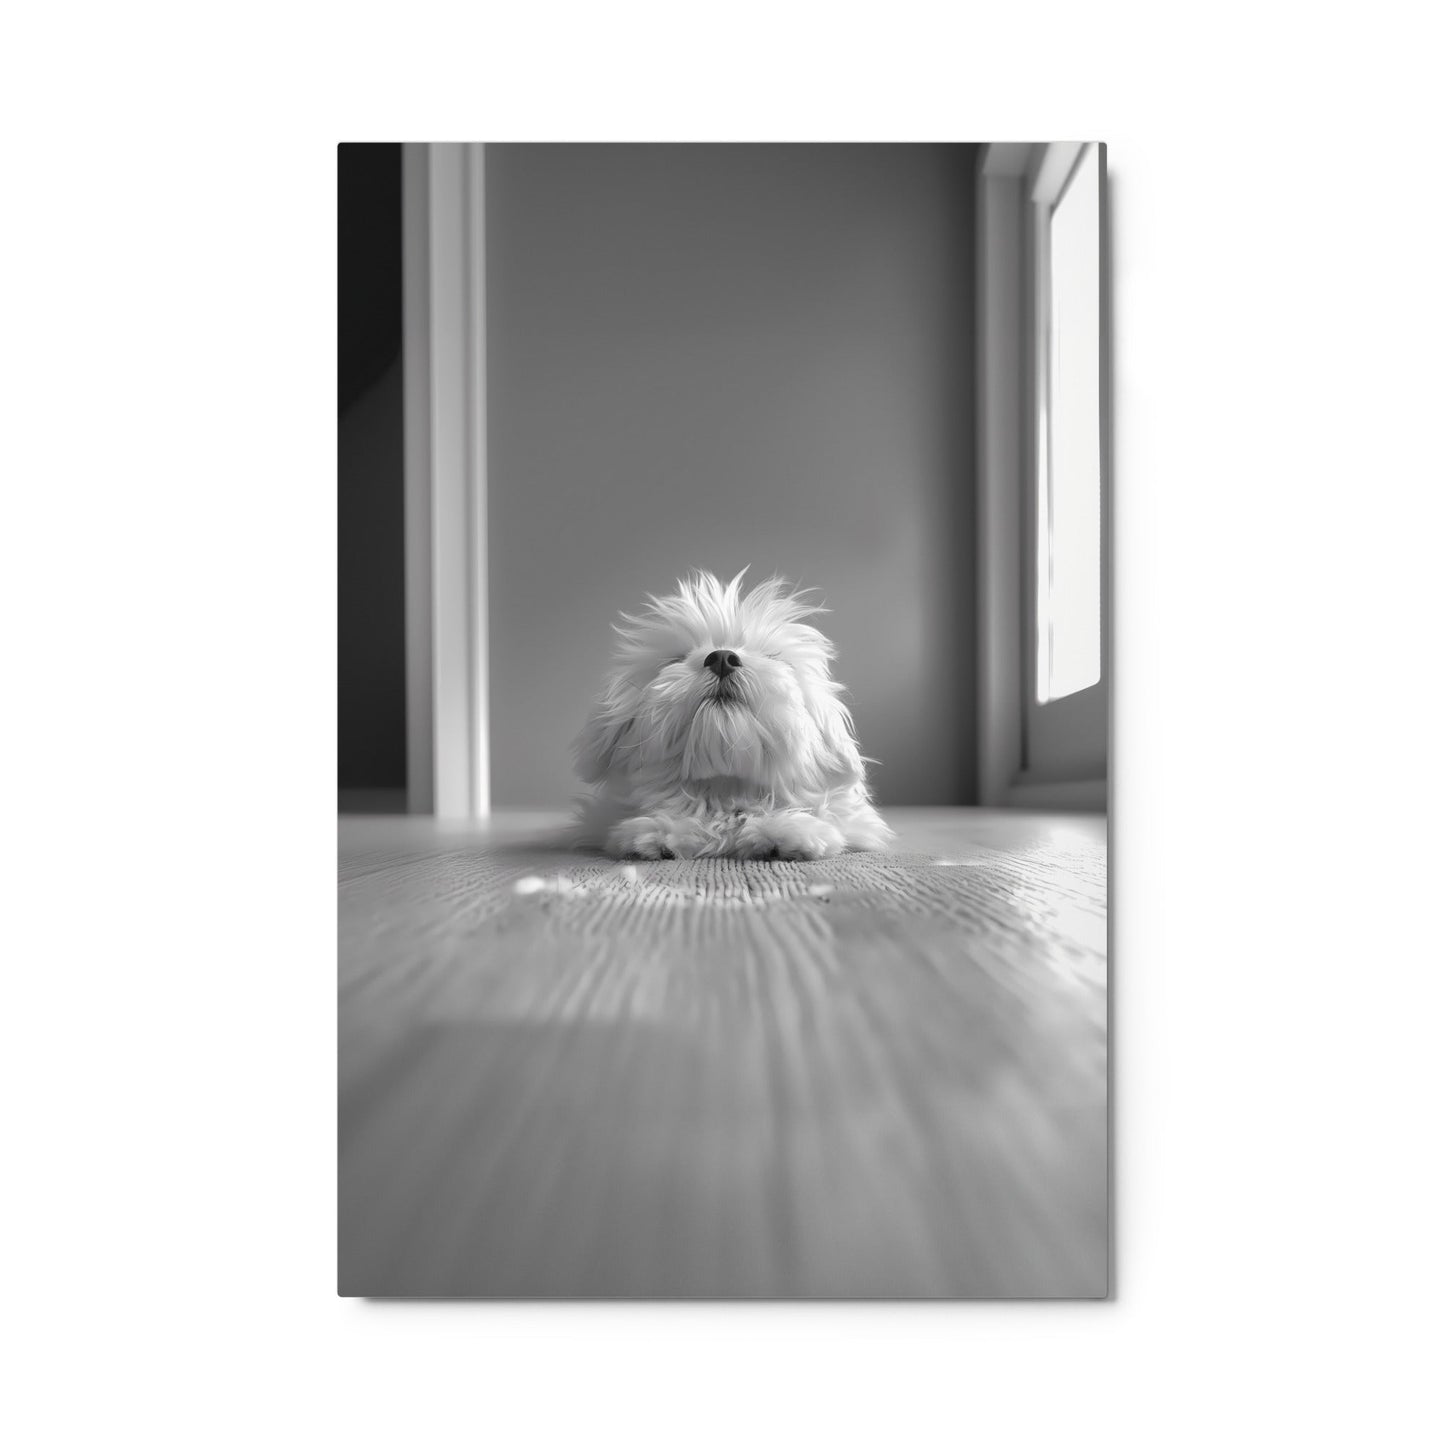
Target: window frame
1062,763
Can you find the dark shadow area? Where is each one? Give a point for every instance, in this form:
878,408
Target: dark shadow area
371,595
371,802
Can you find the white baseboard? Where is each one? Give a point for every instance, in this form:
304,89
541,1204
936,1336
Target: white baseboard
1086,795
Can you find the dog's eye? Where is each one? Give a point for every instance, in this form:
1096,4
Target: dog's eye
672,660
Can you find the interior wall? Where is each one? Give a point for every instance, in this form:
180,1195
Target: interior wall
718,356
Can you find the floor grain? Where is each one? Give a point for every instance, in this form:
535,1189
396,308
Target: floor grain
875,1076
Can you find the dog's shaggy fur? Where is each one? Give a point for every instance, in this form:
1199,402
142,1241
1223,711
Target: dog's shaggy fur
758,763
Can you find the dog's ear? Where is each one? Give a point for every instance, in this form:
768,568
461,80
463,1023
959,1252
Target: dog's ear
838,758
607,726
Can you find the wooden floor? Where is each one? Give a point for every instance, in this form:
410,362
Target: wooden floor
880,1076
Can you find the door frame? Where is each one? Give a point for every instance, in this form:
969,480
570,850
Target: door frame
444,360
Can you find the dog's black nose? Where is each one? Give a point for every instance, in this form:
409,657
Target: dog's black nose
722,662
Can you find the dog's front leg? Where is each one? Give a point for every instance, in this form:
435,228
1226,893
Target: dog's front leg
656,835
789,834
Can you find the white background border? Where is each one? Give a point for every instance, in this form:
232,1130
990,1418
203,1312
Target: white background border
169,589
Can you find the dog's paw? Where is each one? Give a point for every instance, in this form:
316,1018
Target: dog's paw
799,836
865,830
655,836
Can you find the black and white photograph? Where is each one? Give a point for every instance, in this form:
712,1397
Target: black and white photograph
723,721
722,724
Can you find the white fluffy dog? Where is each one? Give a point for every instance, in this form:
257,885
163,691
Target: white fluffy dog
720,734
